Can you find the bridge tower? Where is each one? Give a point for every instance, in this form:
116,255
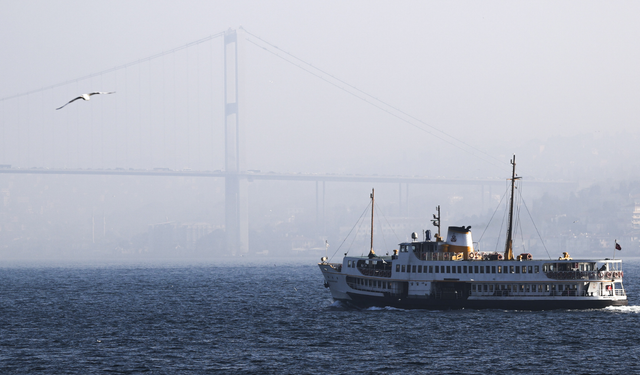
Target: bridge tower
236,202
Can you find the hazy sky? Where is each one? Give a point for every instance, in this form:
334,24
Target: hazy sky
480,71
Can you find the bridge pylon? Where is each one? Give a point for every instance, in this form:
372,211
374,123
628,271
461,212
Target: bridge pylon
236,200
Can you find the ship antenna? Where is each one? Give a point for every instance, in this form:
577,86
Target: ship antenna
436,222
371,252
508,251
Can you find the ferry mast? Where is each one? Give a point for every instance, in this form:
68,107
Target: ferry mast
371,252
508,251
372,204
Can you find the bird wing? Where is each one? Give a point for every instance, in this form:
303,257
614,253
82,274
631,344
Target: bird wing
70,101
100,92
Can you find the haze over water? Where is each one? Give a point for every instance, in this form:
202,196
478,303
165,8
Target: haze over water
456,89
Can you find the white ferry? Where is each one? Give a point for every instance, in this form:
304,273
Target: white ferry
449,274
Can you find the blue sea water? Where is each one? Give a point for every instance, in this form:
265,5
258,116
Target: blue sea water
279,319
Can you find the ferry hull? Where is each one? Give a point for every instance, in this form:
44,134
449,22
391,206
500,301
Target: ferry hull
503,303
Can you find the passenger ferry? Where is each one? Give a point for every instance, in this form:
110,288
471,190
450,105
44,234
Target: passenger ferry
450,274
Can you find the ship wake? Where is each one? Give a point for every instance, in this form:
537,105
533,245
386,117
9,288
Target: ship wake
624,309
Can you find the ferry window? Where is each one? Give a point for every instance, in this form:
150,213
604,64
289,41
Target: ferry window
464,269
491,288
537,268
411,248
476,269
413,269
517,269
459,269
437,269
530,269
527,289
403,268
524,269
486,287
349,263
419,269
403,248
521,288
499,269
448,269
473,287
481,269
488,269
453,269
430,269
511,269
397,268
493,269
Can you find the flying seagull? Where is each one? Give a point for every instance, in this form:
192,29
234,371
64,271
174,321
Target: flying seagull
86,97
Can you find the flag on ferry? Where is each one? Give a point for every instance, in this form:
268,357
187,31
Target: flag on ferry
618,246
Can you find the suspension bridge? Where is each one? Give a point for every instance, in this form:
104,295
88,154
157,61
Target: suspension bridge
168,112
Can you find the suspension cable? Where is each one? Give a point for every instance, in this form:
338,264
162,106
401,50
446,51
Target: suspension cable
152,57
370,96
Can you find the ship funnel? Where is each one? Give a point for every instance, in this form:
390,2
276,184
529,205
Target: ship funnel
460,241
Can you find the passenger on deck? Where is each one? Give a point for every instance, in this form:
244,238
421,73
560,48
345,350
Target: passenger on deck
603,268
